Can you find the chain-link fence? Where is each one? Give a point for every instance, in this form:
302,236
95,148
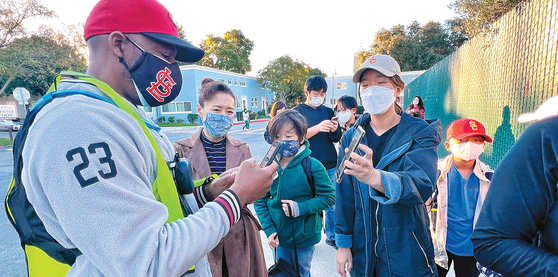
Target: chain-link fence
496,77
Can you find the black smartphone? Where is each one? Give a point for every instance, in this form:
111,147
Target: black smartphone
271,153
335,118
357,137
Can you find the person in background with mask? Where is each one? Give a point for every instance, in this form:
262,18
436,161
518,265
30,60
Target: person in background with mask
246,117
291,205
212,151
346,109
381,222
276,109
94,167
461,189
416,108
521,206
322,134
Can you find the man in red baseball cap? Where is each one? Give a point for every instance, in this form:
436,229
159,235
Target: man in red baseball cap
93,191
461,188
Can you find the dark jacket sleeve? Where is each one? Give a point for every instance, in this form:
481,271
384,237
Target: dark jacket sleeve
518,205
344,201
413,182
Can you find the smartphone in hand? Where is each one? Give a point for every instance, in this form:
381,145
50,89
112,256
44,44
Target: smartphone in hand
335,119
357,137
271,153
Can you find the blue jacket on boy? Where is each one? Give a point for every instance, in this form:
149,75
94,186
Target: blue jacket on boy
388,233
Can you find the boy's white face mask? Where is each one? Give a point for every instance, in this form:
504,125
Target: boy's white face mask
344,116
466,150
316,101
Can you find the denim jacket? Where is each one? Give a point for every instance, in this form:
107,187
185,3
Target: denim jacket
388,233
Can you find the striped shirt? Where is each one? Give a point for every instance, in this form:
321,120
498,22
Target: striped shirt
216,154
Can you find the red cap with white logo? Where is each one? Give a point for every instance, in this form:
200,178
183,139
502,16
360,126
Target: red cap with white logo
147,17
382,63
466,127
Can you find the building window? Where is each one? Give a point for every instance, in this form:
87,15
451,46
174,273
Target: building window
229,82
342,85
238,104
243,84
221,80
178,107
236,83
254,102
147,109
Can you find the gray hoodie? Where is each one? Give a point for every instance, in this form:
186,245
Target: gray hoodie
88,170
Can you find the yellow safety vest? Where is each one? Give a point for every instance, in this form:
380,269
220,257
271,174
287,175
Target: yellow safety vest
164,188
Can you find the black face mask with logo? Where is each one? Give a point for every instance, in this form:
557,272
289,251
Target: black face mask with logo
157,81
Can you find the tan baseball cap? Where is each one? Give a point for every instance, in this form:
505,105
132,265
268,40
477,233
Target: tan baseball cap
547,109
381,63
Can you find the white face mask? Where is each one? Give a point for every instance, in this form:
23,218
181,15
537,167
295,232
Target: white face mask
316,101
466,150
377,99
415,102
344,116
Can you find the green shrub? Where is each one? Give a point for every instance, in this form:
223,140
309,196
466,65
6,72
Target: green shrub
192,117
161,119
261,114
171,119
180,120
253,115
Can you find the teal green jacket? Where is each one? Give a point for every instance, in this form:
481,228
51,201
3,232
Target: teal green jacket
292,184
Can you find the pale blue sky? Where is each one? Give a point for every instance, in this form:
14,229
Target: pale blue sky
324,34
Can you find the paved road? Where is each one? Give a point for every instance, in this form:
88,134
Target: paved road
12,261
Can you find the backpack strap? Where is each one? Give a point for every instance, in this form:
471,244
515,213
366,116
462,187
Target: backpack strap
20,212
489,175
307,166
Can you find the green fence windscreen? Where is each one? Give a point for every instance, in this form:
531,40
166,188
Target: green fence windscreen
497,77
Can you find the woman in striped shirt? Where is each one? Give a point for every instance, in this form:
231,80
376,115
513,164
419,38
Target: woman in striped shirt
212,151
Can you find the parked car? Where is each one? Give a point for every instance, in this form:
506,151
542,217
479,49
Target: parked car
4,123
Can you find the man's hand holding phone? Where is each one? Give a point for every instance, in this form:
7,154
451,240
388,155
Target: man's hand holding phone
221,183
252,182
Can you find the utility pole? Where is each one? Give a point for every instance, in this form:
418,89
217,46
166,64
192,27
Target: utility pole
333,88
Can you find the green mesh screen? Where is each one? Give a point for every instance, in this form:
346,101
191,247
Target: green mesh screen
497,77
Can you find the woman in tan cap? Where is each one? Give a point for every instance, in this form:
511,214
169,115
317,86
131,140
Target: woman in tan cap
381,221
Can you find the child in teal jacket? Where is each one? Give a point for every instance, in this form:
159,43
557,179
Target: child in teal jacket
290,201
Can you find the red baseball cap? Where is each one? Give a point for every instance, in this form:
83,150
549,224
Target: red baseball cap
147,17
466,127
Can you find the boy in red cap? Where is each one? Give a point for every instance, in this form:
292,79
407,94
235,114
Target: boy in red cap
461,188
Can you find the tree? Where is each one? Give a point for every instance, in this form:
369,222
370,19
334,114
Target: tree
33,62
415,47
478,15
231,52
12,15
285,77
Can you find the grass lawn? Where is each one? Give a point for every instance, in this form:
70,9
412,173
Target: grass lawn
5,141
177,124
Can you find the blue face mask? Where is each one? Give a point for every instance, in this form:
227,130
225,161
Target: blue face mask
217,125
289,148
